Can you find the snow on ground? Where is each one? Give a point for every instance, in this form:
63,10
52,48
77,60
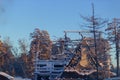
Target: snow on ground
19,78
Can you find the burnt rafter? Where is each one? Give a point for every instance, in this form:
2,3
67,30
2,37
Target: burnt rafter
78,49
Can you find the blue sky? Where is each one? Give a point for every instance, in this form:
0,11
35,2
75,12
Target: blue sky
18,18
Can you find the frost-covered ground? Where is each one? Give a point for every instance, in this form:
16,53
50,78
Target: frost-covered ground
19,78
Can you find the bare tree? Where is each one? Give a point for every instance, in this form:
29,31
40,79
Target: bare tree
8,57
2,53
23,46
41,43
93,25
23,59
113,31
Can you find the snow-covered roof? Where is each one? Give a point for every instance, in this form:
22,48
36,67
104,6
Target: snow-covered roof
6,75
